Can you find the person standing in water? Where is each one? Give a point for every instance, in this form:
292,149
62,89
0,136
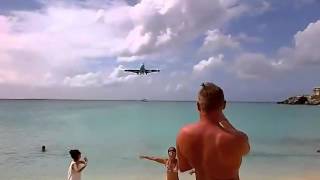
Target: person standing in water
76,165
171,163
211,146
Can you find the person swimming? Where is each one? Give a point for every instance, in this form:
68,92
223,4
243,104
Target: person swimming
43,148
171,163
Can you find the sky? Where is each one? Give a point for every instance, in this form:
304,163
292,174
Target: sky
256,50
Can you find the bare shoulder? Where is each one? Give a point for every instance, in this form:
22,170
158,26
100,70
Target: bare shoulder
188,136
234,143
188,130
232,137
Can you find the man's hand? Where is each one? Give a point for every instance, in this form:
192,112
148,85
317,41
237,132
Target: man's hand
192,172
225,124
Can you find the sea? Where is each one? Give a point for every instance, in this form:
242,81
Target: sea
112,134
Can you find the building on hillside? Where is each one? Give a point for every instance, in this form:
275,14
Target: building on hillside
316,91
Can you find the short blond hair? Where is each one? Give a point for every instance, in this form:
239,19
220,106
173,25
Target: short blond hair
210,97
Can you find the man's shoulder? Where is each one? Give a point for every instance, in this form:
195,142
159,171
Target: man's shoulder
232,141
190,133
189,129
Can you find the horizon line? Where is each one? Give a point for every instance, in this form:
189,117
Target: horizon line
148,100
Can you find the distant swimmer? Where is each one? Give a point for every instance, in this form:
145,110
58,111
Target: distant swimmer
171,163
43,148
76,165
318,151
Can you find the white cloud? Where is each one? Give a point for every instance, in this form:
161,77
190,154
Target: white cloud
211,63
99,78
179,87
174,87
61,37
118,75
307,43
254,66
65,44
130,59
84,80
304,53
56,40
167,88
243,37
160,24
216,41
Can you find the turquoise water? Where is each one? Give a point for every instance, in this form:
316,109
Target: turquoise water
112,134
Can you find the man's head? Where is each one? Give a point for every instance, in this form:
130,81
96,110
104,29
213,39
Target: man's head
75,154
210,98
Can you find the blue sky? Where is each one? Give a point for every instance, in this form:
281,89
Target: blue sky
261,50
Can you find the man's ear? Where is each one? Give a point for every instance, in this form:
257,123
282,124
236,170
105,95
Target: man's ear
198,106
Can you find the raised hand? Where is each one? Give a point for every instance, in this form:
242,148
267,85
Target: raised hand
192,172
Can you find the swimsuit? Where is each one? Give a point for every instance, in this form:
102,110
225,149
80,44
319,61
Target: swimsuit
171,168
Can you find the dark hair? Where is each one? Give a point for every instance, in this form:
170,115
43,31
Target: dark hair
172,149
75,154
210,97
43,148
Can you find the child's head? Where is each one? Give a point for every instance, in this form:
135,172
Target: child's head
75,154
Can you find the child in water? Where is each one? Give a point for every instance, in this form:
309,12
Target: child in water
171,163
76,165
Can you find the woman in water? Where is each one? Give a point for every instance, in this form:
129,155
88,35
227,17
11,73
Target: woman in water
171,163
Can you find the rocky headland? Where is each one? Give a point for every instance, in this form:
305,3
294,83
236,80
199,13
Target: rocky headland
304,99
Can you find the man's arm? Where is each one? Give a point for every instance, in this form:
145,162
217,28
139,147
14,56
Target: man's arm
184,164
85,161
245,143
158,160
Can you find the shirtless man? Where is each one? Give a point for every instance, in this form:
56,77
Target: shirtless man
212,146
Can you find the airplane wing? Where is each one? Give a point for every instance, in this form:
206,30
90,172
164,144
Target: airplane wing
152,70
132,70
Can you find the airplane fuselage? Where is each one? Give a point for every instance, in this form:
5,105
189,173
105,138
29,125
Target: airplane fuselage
142,70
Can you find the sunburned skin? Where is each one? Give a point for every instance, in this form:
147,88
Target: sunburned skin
213,147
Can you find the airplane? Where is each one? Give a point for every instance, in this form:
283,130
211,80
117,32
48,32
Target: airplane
142,70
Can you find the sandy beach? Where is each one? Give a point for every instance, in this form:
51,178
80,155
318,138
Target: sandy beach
244,176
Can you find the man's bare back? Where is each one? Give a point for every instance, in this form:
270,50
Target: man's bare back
211,146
